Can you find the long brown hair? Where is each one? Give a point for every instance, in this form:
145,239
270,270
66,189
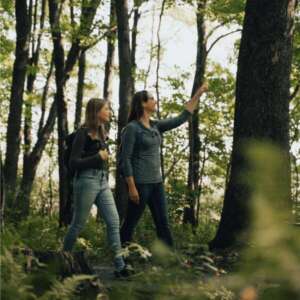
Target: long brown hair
136,108
91,122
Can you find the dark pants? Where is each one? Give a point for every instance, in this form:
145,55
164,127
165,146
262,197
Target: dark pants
152,194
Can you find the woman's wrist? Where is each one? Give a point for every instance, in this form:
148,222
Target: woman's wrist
189,110
130,183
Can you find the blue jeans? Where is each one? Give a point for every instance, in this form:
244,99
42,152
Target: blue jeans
152,194
90,186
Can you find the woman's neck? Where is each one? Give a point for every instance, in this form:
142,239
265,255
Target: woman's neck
145,119
97,133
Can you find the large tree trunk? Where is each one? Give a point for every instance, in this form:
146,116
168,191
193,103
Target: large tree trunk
62,73
125,92
62,125
16,99
23,197
262,104
194,136
32,162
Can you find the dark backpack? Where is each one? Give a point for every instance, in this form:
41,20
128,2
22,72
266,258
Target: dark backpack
119,156
67,152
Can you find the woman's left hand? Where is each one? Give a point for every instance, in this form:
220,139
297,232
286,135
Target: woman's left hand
192,104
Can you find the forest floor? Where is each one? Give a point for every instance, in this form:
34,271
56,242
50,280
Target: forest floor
32,262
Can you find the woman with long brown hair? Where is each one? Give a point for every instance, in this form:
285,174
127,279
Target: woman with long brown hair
141,165
89,161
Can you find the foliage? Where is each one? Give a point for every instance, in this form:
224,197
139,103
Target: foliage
18,284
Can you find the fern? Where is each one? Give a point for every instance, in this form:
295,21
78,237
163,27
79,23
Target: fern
14,283
65,290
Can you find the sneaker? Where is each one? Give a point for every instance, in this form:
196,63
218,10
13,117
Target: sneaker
125,272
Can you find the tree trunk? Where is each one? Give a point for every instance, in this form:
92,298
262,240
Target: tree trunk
33,63
262,105
134,33
125,92
80,89
151,50
62,125
158,52
110,55
34,157
45,95
30,81
16,99
62,73
31,164
2,194
194,135
23,197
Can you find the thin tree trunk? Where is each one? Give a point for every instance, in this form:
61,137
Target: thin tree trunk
125,92
157,82
16,99
2,194
134,33
45,95
72,14
194,135
110,59
151,56
80,89
51,192
30,81
200,187
261,108
110,55
296,200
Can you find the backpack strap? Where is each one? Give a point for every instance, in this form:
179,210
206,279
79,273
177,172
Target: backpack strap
138,137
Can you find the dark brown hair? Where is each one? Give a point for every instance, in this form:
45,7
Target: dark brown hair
136,108
91,122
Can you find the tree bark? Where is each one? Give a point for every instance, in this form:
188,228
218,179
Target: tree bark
194,134
16,99
125,92
262,105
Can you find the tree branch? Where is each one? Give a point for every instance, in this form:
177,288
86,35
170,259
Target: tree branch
175,161
295,92
221,37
